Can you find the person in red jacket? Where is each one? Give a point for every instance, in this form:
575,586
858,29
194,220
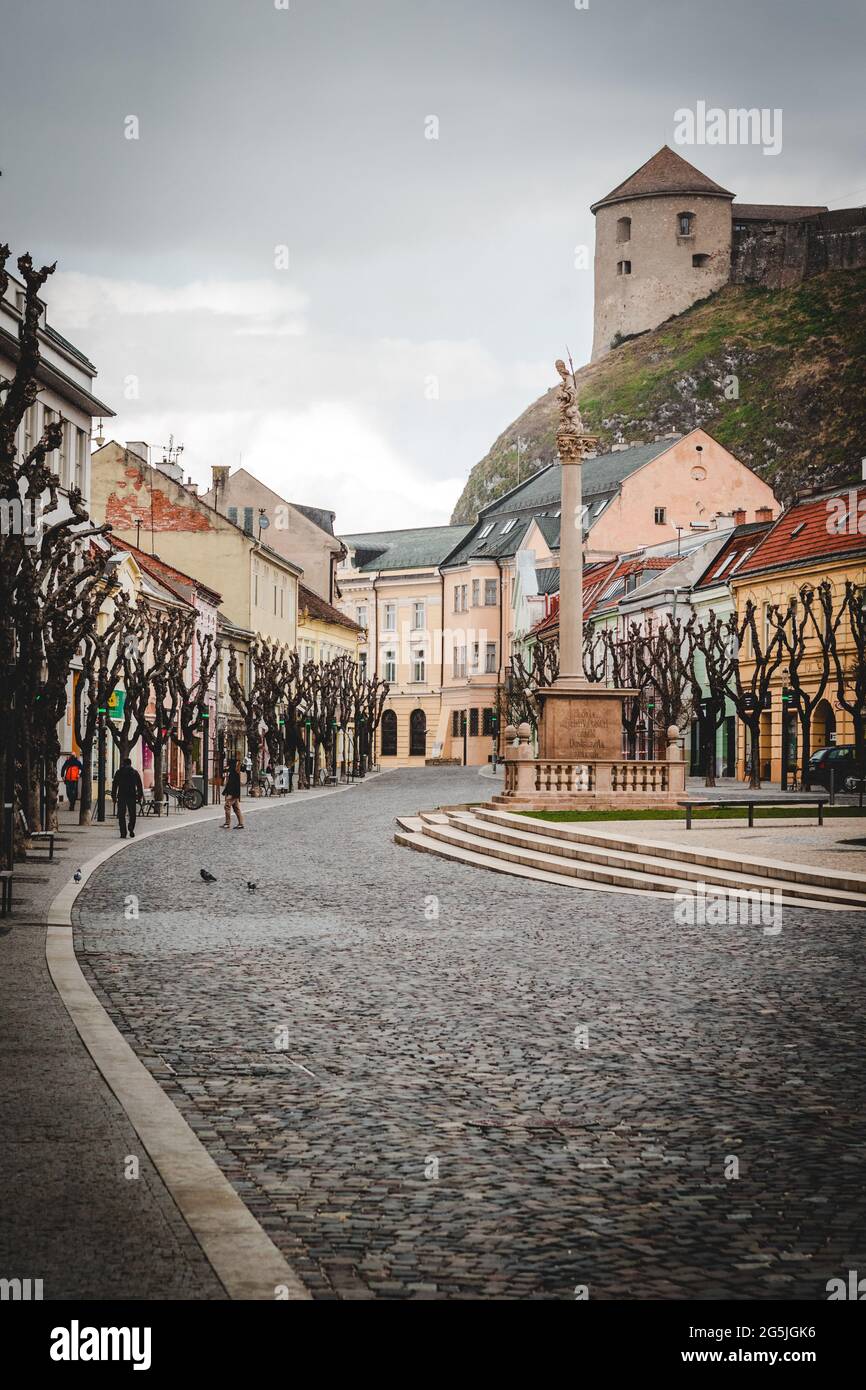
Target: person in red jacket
71,773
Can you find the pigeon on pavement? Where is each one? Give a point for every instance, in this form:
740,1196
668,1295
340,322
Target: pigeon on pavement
77,876
208,878
251,887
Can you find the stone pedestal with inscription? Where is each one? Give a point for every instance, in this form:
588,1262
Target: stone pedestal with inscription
581,722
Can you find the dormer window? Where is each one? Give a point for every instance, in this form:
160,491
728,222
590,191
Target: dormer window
685,224
623,229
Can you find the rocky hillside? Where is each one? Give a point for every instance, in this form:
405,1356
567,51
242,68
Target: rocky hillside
777,376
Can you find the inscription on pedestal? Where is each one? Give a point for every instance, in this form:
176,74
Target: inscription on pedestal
581,725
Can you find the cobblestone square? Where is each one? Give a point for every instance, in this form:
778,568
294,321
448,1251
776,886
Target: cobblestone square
431,1081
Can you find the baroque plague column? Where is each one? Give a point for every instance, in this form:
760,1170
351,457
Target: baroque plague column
579,720
580,761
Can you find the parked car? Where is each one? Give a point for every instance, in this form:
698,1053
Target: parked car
841,761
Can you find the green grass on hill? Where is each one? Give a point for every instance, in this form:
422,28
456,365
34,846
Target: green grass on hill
797,415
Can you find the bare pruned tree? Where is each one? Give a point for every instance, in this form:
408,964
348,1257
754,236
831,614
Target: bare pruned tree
167,638
849,664
101,665
712,648
51,576
751,698
806,632
191,677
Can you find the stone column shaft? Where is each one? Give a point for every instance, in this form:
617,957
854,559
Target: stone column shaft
571,568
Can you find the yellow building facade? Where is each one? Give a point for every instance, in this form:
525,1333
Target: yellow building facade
802,550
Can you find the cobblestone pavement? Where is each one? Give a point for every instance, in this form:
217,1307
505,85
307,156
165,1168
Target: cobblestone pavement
406,1102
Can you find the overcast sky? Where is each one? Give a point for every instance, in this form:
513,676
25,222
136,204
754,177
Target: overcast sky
416,266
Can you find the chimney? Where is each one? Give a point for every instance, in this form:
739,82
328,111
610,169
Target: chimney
764,514
219,476
739,516
139,448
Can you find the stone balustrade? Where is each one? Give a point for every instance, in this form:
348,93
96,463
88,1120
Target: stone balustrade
531,779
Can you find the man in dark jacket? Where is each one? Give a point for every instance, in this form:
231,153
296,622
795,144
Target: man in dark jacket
126,790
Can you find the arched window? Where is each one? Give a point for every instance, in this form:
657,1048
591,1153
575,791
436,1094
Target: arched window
389,734
685,224
623,229
417,734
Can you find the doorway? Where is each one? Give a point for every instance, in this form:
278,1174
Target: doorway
417,734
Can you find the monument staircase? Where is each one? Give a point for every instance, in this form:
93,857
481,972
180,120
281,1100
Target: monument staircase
589,856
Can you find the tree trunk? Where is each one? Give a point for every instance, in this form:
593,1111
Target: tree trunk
158,779
755,731
806,749
85,804
186,748
708,737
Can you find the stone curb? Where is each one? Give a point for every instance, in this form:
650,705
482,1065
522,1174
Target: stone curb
242,1256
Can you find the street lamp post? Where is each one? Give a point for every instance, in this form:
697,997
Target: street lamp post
205,759
102,712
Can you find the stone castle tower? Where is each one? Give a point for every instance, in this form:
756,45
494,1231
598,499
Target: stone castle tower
662,240
669,236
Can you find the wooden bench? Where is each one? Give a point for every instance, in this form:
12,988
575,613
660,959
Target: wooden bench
5,892
39,836
752,802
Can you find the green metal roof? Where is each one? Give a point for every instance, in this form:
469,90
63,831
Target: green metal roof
540,496
401,550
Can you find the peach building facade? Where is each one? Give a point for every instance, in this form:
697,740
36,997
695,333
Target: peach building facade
660,493
391,585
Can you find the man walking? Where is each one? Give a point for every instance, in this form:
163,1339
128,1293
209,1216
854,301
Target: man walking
71,773
126,791
232,796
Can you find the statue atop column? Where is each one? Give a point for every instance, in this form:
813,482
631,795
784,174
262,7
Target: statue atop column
571,441
569,437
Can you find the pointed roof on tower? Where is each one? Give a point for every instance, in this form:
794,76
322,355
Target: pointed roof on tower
666,172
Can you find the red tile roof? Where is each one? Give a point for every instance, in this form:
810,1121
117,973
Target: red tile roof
814,528
733,554
165,573
666,172
597,579
319,608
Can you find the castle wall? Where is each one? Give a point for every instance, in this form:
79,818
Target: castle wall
777,255
663,280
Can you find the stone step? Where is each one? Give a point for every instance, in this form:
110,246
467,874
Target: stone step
414,837
682,851
640,856
436,833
